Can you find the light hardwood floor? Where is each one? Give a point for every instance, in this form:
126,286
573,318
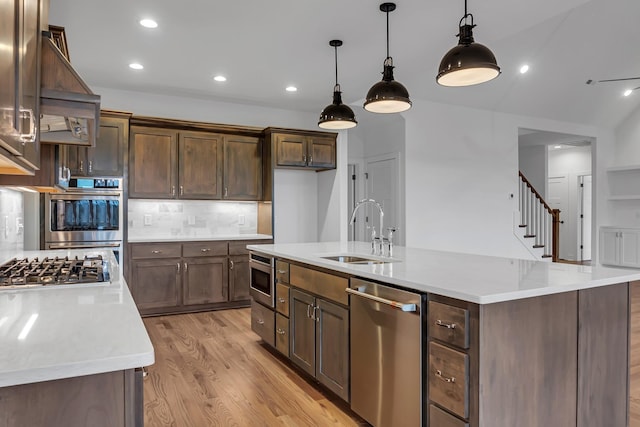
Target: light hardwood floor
212,370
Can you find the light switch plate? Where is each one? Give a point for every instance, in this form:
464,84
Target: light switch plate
240,219
147,219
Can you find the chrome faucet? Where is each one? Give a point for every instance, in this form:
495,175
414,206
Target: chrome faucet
377,242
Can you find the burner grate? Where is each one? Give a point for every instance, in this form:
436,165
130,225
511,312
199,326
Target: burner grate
52,271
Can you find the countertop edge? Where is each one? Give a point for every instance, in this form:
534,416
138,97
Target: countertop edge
179,239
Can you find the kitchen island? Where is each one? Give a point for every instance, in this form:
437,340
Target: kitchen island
69,353
507,341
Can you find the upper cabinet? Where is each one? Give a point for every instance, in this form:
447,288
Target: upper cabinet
193,164
19,92
302,149
106,159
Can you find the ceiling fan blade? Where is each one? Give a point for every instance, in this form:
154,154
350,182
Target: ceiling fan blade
619,80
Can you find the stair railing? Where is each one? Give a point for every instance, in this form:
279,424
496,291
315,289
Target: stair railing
540,221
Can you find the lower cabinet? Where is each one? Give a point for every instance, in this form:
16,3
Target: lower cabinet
189,276
319,340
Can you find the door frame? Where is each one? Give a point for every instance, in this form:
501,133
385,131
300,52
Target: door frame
399,238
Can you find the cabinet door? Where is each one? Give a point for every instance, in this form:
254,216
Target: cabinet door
629,248
290,150
321,152
200,165
302,331
152,163
609,246
8,68
242,168
205,280
332,347
29,80
107,157
74,158
239,276
156,283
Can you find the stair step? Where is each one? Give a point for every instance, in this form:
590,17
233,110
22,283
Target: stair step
538,246
528,236
522,225
547,256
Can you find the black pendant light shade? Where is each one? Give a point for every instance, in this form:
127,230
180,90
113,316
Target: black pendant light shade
388,95
337,115
468,63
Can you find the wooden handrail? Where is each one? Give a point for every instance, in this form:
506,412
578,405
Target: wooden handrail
534,191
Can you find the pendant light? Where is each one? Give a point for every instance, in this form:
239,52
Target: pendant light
337,115
388,95
468,63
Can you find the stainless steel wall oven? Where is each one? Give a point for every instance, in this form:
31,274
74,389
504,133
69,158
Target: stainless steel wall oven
262,279
87,215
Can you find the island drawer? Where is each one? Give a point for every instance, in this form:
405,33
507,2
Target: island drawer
440,418
449,324
449,379
155,250
326,285
282,334
198,249
282,271
263,322
282,299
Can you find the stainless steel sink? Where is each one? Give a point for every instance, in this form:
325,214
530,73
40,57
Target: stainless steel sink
351,259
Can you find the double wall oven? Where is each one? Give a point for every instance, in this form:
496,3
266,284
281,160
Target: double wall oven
262,279
89,214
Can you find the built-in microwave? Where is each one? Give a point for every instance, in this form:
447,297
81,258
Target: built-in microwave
262,279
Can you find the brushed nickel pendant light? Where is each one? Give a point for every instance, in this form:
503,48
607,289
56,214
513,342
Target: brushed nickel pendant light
388,95
468,63
337,115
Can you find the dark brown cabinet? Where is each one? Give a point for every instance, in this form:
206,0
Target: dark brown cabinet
156,283
239,277
167,163
205,280
107,157
302,149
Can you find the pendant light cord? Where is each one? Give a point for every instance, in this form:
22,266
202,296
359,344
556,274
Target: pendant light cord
336,51
466,15
388,32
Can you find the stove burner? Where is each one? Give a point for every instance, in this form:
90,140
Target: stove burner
52,271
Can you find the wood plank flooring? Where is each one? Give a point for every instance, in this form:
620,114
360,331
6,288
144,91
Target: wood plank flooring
212,370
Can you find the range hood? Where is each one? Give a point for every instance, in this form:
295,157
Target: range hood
69,110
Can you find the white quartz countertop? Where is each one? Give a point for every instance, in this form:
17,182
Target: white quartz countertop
152,239
55,332
474,278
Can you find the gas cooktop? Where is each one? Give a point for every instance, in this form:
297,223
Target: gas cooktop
21,273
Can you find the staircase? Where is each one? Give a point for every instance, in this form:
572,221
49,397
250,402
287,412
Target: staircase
537,225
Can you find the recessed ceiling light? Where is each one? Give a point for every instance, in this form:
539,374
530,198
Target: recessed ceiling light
557,146
136,66
524,69
628,92
220,78
148,23
291,89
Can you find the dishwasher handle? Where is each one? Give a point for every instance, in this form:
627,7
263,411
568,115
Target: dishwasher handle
394,304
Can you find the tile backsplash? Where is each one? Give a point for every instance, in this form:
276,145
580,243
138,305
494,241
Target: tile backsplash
190,218
11,222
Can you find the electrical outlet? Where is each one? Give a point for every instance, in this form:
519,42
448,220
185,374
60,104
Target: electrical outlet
240,219
147,219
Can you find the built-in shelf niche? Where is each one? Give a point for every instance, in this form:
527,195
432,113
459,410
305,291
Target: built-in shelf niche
624,182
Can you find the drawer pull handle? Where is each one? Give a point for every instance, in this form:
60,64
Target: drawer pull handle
445,325
281,300
281,331
282,271
260,322
156,252
443,378
205,250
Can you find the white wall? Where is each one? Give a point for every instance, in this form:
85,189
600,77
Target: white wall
332,196
461,173
626,213
532,162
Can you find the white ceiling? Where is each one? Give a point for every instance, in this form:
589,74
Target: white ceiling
263,46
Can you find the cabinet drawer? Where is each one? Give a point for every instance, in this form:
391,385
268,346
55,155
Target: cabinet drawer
155,250
449,379
263,322
282,299
239,247
282,272
448,323
204,249
323,284
440,418
282,334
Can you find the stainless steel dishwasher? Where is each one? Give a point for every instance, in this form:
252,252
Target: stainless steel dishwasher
386,354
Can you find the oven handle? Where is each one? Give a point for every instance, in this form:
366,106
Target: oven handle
68,195
82,246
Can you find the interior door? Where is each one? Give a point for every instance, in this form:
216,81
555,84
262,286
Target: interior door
585,216
382,183
558,198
